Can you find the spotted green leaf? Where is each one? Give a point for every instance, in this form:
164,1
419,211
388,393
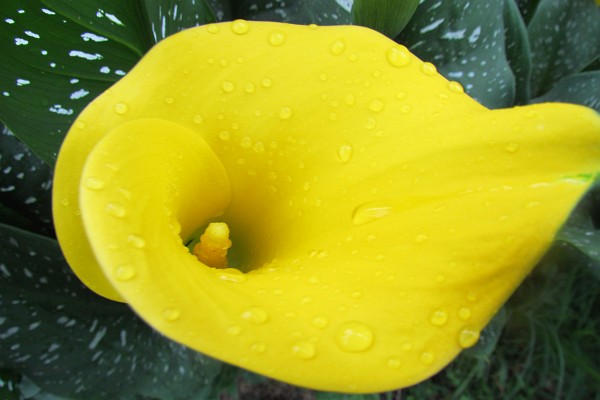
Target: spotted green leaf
465,40
582,88
386,16
9,381
73,343
321,12
518,51
167,17
565,38
25,188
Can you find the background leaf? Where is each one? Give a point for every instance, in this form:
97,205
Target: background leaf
25,189
518,51
582,88
321,12
73,343
565,38
465,40
386,16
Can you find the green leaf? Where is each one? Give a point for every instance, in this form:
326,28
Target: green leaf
465,40
527,8
582,230
582,88
8,385
386,16
518,51
25,192
565,38
171,16
342,396
73,343
58,63
321,12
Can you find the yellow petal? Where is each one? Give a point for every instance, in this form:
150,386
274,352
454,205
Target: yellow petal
379,214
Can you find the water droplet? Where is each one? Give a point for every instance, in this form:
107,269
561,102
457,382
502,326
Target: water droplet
370,212
276,38
304,350
267,82
285,113
357,294
258,348
440,278
121,108
115,210
124,273
240,27
212,28
170,100
350,99
320,322
224,135
428,69
313,27
323,78
512,147
136,241
398,56
439,318
455,87
228,86
255,314
197,119
376,105
427,357
472,296
344,152
371,123
421,238
464,313
401,95
338,47
407,346
250,88
65,202
246,142
171,314
79,124
234,330
405,109
94,183
306,300
394,363
467,337
258,147
232,275
354,337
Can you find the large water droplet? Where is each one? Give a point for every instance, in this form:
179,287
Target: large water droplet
439,318
370,212
455,87
94,183
354,337
266,82
240,27
255,315
467,337
258,348
285,113
376,105
344,152
212,28
121,108
171,314
464,313
136,241
115,210
398,56
427,357
304,350
228,86
428,69
276,38
320,322
232,275
124,272
338,47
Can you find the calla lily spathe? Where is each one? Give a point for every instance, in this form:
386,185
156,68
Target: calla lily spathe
379,216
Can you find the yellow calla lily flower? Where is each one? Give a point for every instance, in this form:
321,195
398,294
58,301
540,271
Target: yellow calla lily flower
370,217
